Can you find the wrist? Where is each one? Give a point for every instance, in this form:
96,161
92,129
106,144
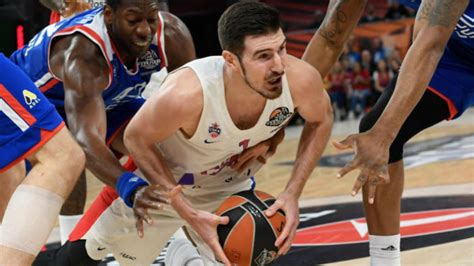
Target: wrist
183,207
127,185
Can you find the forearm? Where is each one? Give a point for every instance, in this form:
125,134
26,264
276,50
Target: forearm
415,75
100,159
326,45
312,143
54,5
148,159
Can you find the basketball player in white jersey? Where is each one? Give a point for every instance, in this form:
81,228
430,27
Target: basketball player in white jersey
192,129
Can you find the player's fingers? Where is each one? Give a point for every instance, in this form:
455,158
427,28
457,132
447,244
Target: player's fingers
150,204
360,181
284,234
142,213
344,144
274,208
384,176
139,226
243,157
175,191
373,182
219,253
222,219
347,168
262,160
245,165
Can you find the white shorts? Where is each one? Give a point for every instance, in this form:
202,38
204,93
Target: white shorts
114,230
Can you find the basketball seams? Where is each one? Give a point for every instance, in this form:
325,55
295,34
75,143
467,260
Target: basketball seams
235,225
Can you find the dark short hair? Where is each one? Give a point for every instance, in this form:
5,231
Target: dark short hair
246,18
114,4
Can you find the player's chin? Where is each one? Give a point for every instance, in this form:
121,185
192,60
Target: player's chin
273,92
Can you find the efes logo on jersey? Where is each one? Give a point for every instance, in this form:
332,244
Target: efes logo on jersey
149,61
214,130
30,98
278,116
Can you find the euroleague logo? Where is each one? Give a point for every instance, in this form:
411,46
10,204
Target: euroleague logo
278,117
326,230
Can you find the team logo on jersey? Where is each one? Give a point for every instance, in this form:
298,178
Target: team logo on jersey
149,61
465,26
278,116
30,98
214,130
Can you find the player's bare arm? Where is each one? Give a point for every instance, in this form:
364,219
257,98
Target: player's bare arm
313,104
435,22
55,5
179,43
326,45
85,74
176,106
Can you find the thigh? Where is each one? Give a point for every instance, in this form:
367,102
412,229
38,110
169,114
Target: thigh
9,181
114,232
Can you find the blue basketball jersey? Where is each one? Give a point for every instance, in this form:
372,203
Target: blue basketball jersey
124,85
454,76
27,119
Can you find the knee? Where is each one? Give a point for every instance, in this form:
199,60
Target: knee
73,159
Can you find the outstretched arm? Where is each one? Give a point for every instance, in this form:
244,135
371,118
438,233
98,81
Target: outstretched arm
435,22
326,45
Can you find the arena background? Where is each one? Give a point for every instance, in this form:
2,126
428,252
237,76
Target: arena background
438,205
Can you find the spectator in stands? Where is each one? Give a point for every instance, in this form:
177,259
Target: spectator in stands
370,15
381,78
360,89
397,11
379,50
337,91
367,61
395,65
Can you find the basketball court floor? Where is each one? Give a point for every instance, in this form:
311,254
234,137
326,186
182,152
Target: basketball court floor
437,210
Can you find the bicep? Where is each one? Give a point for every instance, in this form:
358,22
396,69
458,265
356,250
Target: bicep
313,103
340,20
83,83
438,18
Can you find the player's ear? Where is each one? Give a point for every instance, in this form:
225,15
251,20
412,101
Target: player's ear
231,59
108,15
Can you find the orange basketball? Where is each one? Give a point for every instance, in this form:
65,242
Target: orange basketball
249,237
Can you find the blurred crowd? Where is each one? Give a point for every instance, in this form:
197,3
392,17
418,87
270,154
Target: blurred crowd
360,76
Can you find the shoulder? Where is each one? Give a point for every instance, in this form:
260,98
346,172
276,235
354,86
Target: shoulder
174,26
79,62
301,75
178,41
181,91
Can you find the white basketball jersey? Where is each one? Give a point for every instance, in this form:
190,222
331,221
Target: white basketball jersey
203,161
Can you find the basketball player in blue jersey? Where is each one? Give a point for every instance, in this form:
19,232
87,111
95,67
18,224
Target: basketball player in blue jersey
435,83
94,66
32,129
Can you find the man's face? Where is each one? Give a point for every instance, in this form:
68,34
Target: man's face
263,63
134,24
